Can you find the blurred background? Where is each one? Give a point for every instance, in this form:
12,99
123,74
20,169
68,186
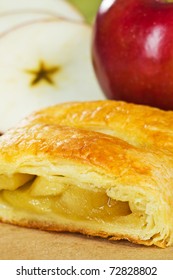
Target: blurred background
87,7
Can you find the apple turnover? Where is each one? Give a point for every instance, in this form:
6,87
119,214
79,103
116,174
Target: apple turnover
60,170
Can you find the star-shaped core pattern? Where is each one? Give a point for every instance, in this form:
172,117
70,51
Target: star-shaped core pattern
43,73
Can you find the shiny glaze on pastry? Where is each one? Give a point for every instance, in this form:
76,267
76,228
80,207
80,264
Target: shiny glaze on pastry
138,125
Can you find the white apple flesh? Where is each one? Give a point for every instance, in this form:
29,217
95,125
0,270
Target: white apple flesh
43,64
60,8
12,21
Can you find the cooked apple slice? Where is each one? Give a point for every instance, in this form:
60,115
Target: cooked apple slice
14,181
51,64
58,7
50,185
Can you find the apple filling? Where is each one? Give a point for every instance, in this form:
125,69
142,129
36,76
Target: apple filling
57,198
55,194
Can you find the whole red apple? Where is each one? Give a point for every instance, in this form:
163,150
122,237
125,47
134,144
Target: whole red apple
133,51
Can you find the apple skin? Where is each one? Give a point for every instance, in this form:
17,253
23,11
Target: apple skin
132,51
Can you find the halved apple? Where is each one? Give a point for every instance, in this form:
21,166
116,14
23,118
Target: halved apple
43,64
60,8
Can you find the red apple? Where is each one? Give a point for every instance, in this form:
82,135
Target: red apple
133,51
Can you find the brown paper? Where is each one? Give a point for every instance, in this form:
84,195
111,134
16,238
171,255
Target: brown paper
28,244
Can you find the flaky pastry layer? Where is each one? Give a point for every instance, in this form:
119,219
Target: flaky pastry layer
58,174
141,126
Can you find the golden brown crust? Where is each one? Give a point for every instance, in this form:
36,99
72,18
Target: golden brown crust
86,147
139,125
107,155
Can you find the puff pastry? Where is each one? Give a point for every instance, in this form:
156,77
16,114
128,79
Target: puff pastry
61,171
141,126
